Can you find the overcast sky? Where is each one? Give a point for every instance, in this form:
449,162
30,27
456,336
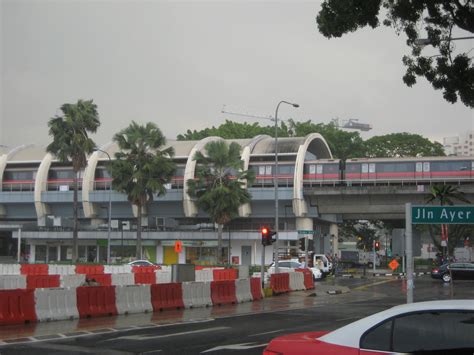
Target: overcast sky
176,63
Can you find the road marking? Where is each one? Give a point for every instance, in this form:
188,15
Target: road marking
241,346
149,337
273,331
373,284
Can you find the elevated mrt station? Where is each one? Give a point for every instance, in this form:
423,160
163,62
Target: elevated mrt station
37,193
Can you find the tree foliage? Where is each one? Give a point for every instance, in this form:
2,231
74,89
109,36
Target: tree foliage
448,71
401,145
219,184
365,232
343,144
71,142
234,130
142,167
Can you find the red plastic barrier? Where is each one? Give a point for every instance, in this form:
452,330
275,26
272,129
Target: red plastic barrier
102,279
34,269
145,269
167,296
145,278
90,269
42,281
17,306
223,292
256,288
96,301
280,283
308,278
226,274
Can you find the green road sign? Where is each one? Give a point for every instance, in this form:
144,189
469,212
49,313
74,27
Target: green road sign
307,232
442,214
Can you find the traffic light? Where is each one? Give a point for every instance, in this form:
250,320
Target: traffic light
267,235
302,244
377,246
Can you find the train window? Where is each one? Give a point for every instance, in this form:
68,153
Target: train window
365,168
268,170
19,175
395,167
353,168
372,168
261,170
319,169
101,173
286,169
426,167
312,168
472,165
419,167
331,168
450,166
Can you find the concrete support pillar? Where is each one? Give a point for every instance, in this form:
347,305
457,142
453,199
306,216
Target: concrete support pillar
333,231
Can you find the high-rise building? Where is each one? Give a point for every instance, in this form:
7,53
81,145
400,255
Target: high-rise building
461,146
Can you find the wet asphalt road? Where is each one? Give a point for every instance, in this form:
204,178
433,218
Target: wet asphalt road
223,332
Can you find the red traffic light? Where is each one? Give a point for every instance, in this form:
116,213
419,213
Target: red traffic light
264,230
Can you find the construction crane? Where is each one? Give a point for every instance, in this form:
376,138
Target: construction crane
351,123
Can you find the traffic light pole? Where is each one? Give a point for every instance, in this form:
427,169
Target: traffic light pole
373,256
306,251
262,268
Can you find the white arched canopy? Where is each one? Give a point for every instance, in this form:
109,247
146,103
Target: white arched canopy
317,145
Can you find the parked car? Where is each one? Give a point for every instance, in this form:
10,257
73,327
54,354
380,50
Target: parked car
435,327
459,271
291,265
143,263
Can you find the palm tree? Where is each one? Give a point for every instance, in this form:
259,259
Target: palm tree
141,169
445,195
72,143
219,184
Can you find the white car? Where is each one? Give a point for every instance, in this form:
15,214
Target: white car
291,265
435,327
142,263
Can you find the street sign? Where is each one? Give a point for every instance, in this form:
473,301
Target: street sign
442,214
307,232
393,264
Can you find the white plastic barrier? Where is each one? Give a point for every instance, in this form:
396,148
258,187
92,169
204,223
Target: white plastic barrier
204,275
163,277
10,269
117,269
72,280
61,269
123,279
11,282
242,289
196,294
166,268
55,304
244,271
296,281
133,299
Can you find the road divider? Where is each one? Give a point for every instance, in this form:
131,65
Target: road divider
197,294
55,304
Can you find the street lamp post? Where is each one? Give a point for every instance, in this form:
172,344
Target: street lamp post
110,209
426,41
275,183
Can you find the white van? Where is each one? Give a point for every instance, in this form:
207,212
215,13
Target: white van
290,266
321,262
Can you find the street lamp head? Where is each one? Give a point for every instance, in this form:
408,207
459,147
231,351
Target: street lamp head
296,105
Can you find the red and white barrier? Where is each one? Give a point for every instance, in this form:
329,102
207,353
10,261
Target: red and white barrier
46,304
